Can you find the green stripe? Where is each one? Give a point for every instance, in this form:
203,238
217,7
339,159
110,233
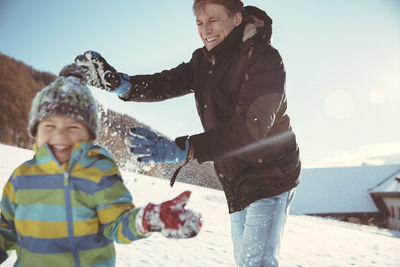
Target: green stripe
27,258
97,255
41,196
108,195
79,198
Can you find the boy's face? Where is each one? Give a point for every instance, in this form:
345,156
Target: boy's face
61,133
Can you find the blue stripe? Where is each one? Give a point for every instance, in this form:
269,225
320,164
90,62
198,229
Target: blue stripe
52,213
40,181
126,230
124,199
104,165
108,181
84,185
110,263
62,245
83,213
92,241
42,160
55,181
91,187
7,205
46,213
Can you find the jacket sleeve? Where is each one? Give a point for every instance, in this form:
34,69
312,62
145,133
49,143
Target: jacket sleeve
261,99
161,86
8,235
116,211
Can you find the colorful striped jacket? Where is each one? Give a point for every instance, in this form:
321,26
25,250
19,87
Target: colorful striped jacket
53,217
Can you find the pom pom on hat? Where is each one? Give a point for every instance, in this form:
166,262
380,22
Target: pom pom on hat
67,96
73,70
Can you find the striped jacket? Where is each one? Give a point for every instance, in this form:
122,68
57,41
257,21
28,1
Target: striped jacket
53,217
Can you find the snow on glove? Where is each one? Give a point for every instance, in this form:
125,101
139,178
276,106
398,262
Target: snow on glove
142,141
102,75
170,218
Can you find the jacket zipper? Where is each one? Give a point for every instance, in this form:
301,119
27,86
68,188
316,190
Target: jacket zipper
68,206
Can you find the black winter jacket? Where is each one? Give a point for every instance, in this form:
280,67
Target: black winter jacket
239,88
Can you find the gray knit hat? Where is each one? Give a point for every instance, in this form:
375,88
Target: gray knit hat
68,96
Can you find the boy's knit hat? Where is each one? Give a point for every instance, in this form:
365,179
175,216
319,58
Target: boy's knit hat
68,96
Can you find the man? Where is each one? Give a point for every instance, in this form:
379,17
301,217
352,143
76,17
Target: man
238,80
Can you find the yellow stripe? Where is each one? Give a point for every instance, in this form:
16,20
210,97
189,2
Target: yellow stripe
9,191
121,237
92,173
88,227
111,213
42,229
51,167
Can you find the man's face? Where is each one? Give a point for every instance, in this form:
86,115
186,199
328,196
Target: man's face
61,133
214,24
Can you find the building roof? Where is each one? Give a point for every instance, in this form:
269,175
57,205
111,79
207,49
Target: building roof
390,185
339,190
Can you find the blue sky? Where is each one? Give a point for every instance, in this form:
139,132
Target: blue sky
342,60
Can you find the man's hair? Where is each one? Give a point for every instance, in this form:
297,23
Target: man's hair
233,6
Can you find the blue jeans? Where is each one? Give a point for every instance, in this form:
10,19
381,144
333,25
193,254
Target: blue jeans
257,230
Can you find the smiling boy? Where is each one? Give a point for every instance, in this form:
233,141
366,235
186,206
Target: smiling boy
68,205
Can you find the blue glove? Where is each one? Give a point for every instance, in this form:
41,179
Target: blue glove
142,141
100,74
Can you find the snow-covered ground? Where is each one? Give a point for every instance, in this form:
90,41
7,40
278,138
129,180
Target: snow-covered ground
308,241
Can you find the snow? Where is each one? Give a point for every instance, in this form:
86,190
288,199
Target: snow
308,241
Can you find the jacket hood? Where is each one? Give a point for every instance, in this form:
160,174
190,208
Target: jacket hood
256,21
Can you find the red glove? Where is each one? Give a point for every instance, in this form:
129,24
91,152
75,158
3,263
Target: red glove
170,218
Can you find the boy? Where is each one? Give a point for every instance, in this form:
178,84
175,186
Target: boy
68,205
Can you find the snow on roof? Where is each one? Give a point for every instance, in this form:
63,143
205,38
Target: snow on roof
389,185
339,190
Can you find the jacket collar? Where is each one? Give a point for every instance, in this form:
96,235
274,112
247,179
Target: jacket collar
231,41
80,150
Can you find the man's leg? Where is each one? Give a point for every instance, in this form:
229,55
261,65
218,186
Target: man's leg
238,220
263,228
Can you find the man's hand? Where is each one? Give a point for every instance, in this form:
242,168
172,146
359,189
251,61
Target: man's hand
101,74
170,218
142,141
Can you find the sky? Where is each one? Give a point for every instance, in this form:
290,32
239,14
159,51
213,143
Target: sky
307,240
342,60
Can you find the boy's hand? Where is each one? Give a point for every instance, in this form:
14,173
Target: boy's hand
101,74
142,141
170,218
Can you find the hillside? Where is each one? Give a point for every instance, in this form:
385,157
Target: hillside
18,85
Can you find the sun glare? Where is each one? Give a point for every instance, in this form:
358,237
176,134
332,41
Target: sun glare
339,104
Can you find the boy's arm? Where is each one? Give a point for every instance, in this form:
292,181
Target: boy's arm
8,236
116,211
124,223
